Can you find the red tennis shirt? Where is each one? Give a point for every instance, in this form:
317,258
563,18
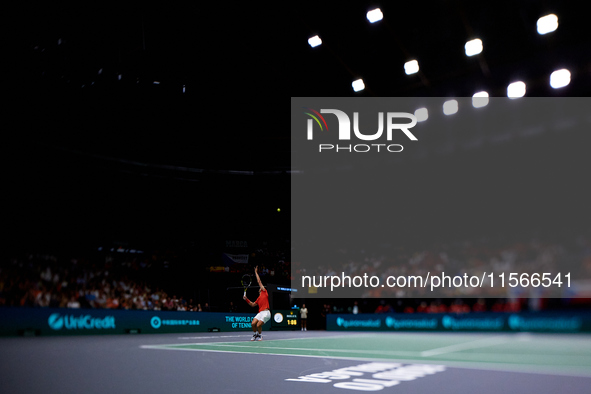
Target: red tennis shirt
263,301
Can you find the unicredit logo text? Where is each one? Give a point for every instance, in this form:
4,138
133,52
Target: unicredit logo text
394,122
57,322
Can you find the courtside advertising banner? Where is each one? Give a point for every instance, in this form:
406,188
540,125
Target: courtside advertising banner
562,322
230,259
57,321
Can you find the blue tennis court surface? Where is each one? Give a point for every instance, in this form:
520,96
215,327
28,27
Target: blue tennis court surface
297,362
568,355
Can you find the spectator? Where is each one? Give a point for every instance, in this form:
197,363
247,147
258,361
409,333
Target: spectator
325,312
423,308
498,306
479,306
458,306
513,305
73,303
304,317
384,308
112,302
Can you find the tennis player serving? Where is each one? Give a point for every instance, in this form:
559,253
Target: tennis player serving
264,313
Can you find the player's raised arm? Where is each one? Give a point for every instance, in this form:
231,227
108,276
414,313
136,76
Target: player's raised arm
259,279
249,302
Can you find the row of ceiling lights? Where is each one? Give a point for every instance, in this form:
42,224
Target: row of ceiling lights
546,24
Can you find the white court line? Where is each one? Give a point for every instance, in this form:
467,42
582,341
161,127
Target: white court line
266,340
382,352
486,342
376,352
221,336
499,367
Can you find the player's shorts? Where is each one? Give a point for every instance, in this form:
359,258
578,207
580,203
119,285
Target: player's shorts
263,316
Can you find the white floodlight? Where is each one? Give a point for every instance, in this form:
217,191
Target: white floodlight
480,99
375,15
560,78
314,41
450,107
547,24
516,89
422,114
411,67
473,47
358,85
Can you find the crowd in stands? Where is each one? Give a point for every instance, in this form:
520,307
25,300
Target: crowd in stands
474,257
104,281
456,306
272,259
43,280
115,280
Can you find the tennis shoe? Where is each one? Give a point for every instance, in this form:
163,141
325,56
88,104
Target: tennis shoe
254,337
259,337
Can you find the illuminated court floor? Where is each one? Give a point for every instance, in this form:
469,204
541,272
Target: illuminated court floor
559,354
297,362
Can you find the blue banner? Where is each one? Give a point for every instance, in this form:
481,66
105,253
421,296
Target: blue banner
50,321
518,322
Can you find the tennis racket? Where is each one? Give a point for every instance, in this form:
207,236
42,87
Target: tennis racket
246,281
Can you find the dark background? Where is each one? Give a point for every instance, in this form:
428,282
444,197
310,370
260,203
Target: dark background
91,158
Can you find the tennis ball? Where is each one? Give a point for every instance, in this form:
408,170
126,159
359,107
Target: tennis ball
278,209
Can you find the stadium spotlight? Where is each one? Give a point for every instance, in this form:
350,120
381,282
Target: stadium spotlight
450,107
422,114
358,85
515,90
314,41
375,15
560,78
480,99
473,47
547,24
411,67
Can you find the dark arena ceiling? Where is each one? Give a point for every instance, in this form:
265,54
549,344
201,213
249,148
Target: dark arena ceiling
434,33
171,79
185,104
